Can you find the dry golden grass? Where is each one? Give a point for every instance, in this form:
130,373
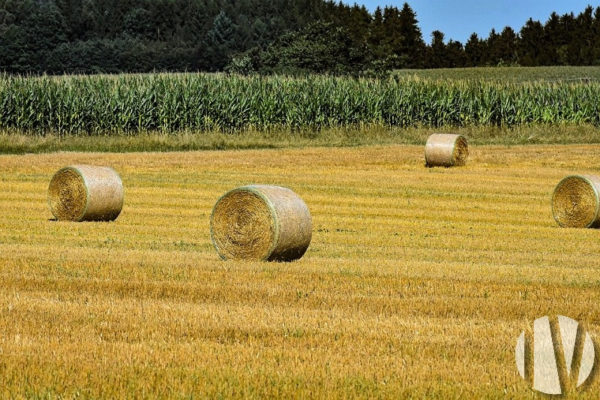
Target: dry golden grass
417,282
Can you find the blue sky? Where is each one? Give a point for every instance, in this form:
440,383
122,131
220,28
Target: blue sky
458,19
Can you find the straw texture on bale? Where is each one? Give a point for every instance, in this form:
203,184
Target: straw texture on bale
576,202
446,150
86,193
259,222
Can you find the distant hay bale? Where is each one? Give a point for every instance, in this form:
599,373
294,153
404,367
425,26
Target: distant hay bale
576,202
85,193
258,222
445,150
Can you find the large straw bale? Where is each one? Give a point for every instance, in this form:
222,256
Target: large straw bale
259,222
576,202
446,150
86,193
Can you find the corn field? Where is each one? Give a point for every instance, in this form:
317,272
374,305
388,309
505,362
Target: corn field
130,104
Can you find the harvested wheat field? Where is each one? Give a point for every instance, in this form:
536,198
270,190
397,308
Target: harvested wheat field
417,282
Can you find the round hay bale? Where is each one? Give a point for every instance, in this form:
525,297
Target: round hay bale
445,150
258,222
85,193
576,202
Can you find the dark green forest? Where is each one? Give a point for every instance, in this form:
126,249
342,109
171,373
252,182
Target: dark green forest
266,36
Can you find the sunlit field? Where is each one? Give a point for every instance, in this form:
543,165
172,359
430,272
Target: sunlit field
509,74
417,282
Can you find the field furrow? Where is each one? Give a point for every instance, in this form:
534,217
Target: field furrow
417,282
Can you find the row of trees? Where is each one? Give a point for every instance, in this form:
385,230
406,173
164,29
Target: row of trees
390,38
562,40
57,36
87,36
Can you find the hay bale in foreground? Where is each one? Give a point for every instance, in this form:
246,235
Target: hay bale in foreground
86,193
576,202
258,222
445,150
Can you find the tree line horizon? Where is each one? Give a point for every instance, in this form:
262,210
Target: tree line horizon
276,36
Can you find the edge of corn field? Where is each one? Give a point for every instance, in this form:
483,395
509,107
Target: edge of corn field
14,142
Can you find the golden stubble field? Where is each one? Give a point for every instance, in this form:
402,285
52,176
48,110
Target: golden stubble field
417,283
